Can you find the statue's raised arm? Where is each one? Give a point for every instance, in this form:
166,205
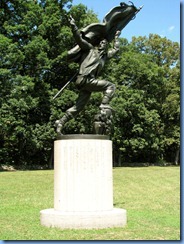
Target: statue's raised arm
115,48
115,20
83,44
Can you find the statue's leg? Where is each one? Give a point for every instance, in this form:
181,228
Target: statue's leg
103,119
108,93
80,103
73,111
61,122
104,86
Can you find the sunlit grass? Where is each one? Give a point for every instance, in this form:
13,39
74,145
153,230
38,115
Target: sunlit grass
150,195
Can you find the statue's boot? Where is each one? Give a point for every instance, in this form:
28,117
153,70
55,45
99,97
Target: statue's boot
61,122
105,103
108,94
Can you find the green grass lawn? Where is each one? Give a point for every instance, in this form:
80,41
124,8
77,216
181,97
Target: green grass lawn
151,196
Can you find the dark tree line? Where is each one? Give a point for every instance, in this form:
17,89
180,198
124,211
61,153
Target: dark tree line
34,39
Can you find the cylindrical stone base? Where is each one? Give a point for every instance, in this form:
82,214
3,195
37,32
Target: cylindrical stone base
84,220
83,192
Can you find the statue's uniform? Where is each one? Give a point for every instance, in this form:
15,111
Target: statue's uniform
93,60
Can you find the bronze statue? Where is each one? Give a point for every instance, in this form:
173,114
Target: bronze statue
91,53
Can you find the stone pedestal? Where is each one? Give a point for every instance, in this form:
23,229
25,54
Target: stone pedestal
83,186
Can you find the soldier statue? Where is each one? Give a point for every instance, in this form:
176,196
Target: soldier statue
91,63
91,52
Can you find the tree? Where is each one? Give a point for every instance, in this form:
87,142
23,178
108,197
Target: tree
148,82
171,116
34,39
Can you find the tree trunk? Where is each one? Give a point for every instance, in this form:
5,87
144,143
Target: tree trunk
177,156
119,159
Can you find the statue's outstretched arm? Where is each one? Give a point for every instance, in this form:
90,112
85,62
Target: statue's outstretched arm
115,49
83,44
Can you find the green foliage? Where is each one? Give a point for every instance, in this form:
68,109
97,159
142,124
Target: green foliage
34,39
137,128
147,101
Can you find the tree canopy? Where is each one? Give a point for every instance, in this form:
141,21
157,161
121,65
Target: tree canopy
34,40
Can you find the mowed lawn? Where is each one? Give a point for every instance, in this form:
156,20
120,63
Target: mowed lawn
151,196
